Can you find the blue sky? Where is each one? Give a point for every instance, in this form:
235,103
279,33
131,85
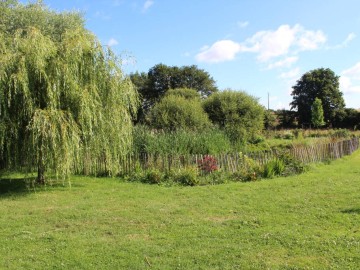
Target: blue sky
259,46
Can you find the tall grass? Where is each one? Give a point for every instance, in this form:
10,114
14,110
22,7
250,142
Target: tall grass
210,141
215,141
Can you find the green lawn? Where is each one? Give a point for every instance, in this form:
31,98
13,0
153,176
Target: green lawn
310,221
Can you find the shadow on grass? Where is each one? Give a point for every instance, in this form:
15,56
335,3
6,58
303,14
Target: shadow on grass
22,186
15,186
351,211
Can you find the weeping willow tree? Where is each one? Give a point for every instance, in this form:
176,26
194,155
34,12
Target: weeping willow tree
63,97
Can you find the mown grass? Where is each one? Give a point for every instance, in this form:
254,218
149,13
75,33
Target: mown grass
309,221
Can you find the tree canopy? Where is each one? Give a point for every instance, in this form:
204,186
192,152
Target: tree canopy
62,95
319,83
179,109
186,93
153,85
238,113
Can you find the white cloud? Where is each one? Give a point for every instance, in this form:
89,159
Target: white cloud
147,5
350,37
353,71
267,45
242,24
287,62
271,44
310,40
292,74
220,51
112,42
350,80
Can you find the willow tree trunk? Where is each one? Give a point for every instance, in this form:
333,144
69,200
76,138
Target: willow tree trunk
41,169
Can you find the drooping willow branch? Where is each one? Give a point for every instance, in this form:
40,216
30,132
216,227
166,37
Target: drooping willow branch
63,96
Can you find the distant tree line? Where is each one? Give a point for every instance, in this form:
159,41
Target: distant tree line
317,102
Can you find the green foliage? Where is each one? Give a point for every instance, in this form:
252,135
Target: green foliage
286,118
187,93
273,168
269,170
298,133
187,176
62,95
153,176
239,114
350,119
286,134
257,139
340,133
270,119
175,112
289,136
215,178
292,165
250,170
161,78
211,141
317,113
322,84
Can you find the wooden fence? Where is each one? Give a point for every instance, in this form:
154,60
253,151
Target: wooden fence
238,161
234,162
323,152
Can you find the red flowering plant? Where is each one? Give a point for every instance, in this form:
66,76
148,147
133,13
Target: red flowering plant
207,164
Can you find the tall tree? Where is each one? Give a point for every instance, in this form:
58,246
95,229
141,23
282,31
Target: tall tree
160,78
317,113
62,96
319,83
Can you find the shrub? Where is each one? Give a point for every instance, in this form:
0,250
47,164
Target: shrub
298,133
289,136
153,176
176,112
208,164
187,176
269,170
279,166
340,133
292,165
236,112
257,139
273,168
215,178
250,170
